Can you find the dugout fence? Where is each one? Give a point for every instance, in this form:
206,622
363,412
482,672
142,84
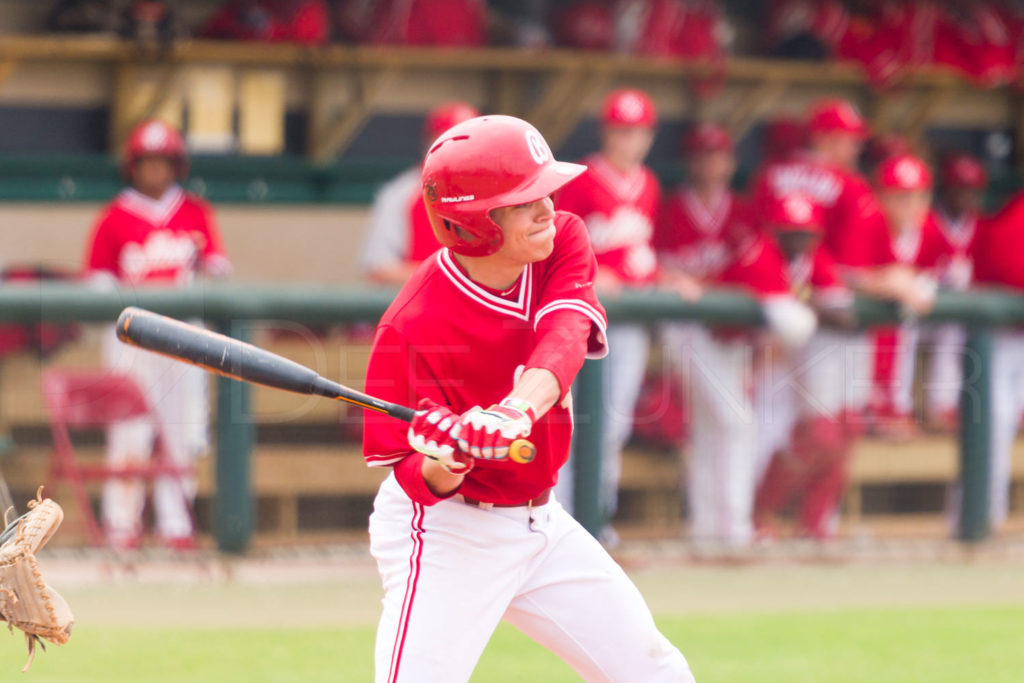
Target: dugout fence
233,308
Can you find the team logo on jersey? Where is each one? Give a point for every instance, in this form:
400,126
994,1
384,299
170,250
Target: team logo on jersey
430,191
538,148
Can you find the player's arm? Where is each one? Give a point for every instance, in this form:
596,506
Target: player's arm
215,262
382,257
894,282
570,326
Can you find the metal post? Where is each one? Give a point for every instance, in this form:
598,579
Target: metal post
976,436
233,505
588,397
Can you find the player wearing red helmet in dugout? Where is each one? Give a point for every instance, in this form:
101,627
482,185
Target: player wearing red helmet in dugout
957,211
155,233
803,453
399,235
703,230
502,316
855,232
617,197
904,187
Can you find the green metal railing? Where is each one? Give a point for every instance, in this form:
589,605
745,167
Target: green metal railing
229,307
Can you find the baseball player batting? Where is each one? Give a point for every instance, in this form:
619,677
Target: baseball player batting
502,316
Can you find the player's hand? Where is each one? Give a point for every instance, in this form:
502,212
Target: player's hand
688,288
433,432
489,433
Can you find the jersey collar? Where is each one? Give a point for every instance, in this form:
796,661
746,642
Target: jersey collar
156,212
517,304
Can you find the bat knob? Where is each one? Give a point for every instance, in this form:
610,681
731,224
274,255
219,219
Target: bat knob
522,451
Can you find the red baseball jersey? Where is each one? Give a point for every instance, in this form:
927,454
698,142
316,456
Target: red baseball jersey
959,232
461,344
925,248
998,247
619,210
695,238
856,234
168,240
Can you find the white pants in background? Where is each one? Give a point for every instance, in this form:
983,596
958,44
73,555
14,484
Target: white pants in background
723,463
622,378
452,571
1007,382
178,394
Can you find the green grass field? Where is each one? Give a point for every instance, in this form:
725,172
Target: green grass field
774,623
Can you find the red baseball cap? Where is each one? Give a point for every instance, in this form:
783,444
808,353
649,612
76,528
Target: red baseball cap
835,115
444,116
904,172
628,108
707,137
792,213
963,170
782,137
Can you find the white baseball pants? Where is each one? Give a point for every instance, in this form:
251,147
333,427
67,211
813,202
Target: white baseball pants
452,571
177,392
1007,384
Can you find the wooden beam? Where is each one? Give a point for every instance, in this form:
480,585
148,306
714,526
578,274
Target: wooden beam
6,69
755,106
567,116
337,134
126,110
917,120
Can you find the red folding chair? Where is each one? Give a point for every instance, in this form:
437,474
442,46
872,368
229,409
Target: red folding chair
84,399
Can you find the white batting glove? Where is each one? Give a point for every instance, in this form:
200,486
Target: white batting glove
489,433
433,432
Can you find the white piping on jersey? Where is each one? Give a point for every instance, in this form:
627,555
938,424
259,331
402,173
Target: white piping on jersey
384,460
586,309
156,212
907,245
708,221
626,187
958,232
520,308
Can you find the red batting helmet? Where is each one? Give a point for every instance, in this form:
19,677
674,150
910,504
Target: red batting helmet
835,115
155,138
707,137
963,170
783,137
792,213
628,108
904,172
484,164
444,116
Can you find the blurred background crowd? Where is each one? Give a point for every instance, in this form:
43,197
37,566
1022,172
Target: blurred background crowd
690,189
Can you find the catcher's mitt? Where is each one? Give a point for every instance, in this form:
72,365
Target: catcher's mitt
26,602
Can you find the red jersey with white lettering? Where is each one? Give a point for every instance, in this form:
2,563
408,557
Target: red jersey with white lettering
925,248
619,210
959,232
856,234
461,344
157,241
998,247
695,238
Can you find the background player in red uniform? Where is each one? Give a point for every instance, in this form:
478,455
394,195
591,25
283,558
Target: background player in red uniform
399,235
617,197
155,233
957,211
998,256
463,536
855,232
904,185
800,393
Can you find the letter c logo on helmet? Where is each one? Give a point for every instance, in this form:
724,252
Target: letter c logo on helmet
538,148
481,165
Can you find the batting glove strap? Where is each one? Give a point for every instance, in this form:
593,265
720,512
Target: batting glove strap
433,432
